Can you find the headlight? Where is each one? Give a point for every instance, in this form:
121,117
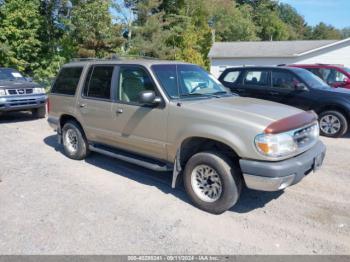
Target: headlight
2,92
38,90
276,145
287,143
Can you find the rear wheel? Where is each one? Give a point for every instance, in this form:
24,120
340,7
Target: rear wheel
212,182
74,141
333,123
39,112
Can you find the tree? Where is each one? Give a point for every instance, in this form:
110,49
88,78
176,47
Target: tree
323,31
91,29
20,25
271,27
345,32
295,22
231,23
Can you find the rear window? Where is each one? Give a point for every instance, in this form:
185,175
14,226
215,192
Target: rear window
231,77
67,81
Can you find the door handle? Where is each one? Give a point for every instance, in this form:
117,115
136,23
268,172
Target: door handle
82,105
119,110
273,93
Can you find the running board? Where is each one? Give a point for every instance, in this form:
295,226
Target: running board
130,158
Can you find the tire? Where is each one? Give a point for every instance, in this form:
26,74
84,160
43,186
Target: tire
332,124
74,142
229,176
39,112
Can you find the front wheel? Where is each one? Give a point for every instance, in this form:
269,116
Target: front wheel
212,182
333,124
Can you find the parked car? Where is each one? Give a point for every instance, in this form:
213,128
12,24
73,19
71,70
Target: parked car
334,75
18,93
295,87
175,116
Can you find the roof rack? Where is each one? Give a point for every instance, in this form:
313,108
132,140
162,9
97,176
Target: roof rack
113,57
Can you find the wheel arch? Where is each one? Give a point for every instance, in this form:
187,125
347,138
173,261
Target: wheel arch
195,144
64,118
336,107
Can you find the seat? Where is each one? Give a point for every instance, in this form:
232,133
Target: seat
131,86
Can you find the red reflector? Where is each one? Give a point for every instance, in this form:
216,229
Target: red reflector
48,105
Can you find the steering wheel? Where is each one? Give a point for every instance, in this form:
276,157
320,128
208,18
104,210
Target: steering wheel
198,87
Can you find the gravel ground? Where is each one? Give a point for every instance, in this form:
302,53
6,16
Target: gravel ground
50,204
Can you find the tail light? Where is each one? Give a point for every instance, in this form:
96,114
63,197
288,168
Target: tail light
48,105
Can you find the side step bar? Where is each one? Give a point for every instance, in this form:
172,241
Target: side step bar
127,157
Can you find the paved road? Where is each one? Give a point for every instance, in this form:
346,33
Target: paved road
50,204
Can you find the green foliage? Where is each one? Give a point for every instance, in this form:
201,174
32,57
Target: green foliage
92,31
232,23
20,24
323,31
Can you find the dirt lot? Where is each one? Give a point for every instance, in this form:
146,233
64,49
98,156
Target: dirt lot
50,204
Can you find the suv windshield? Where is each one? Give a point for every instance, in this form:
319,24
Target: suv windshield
312,80
8,74
181,81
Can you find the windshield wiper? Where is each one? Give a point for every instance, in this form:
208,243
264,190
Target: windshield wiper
193,94
210,95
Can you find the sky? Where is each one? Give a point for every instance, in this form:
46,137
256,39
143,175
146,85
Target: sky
333,12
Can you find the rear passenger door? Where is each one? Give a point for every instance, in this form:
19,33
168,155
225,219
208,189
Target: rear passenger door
255,83
94,104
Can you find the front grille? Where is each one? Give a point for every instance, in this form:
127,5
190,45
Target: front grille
22,102
20,91
306,135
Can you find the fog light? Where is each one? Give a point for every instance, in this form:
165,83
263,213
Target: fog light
286,181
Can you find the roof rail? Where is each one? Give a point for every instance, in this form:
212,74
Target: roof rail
113,57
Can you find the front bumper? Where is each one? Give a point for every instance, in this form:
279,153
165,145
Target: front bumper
274,176
23,102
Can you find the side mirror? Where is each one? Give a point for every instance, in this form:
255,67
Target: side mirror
301,87
347,80
149,98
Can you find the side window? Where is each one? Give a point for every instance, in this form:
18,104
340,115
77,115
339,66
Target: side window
133,80
67,81
332,76
231,77
98,82
315,71
256,78
340,77
284,80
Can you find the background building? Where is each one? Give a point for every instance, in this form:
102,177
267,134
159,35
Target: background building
231,54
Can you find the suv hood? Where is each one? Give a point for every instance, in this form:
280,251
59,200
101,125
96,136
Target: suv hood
17,84
257,112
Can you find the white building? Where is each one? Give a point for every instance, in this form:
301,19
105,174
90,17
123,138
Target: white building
231,54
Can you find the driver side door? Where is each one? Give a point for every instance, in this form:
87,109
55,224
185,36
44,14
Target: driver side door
139,128
283,90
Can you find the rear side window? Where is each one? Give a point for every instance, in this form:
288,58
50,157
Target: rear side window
98,82
67,81
231,77
256,78
284,80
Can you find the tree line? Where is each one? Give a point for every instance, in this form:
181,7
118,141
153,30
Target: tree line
38,36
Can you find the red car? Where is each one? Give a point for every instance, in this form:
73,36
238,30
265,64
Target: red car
333,75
